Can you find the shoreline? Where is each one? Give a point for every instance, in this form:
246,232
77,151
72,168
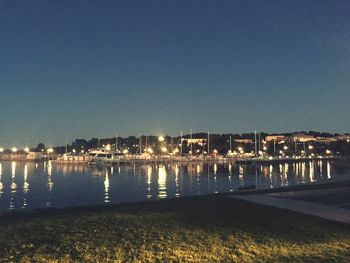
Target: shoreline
208,228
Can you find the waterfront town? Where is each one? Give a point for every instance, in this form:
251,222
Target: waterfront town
187,147
174,131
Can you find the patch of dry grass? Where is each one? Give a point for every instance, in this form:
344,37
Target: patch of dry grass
195,229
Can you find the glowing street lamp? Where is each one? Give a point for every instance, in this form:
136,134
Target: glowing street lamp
26,149
161,139
125,151
1,150
215,151
14,149
285,147
310,147
164,149
328,152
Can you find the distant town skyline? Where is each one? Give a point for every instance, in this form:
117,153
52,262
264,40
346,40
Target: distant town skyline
83,69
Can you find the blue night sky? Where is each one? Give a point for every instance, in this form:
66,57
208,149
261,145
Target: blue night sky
79,69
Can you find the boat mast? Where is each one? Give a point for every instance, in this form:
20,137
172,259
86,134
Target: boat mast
230,144
181,134
208,144
140,143
116,142
171,144
255,142
191,142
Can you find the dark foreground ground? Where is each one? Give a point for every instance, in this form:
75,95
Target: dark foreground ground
212,228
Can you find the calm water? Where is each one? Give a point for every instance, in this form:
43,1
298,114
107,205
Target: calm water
26,186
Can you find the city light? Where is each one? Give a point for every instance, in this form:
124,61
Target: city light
50,150
285,147
126,151
150,150
1,150
310,147
108,147
26,149
161,138
164,149
14,149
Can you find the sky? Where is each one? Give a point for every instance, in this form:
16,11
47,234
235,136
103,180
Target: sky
82,69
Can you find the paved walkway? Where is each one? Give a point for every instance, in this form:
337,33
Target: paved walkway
339,197
333,213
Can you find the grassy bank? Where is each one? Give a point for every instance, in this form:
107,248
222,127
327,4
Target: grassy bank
207,229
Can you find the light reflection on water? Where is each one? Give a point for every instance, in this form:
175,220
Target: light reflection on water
25,186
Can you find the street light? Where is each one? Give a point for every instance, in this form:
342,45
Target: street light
14,149
26,149
161,138
1,150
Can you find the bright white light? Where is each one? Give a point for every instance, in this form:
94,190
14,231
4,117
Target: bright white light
161,138
285,147
14,149
50,150
108,147
310,147
125,151
26,149
1,150
164,149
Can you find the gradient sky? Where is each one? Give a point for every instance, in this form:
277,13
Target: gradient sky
79,68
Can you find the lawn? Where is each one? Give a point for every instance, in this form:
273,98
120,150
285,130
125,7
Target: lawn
212,228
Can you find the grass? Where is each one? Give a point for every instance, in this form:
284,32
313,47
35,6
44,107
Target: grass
212,228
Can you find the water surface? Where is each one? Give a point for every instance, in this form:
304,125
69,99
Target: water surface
27,186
